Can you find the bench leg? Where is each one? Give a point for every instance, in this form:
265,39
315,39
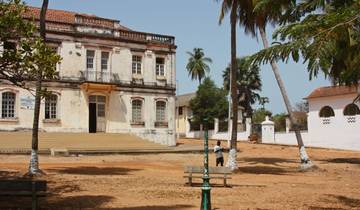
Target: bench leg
225,182
190,181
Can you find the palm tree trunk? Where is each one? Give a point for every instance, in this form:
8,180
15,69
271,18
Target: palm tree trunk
305,161
34,160
234,98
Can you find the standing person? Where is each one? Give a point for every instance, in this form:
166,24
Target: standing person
219,155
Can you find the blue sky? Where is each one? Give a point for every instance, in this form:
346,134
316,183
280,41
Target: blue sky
194,23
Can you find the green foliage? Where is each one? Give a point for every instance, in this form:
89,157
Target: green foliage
327,36
197,65
248,83
31,55
259,115
210,102
280,122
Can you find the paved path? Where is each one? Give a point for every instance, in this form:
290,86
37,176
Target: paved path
20,142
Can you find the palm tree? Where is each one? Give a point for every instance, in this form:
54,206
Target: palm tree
254,16
34,161
232,6
263,101
248,83
197,65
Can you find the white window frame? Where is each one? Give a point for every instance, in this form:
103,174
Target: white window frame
141,110
107,62
51,107
135,63
16,93
164,115
158,72
93,62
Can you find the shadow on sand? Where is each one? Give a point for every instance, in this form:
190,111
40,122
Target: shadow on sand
267,160
351,203
93,170
263,170
344,160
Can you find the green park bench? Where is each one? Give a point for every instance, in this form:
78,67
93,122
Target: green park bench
24,188
214,173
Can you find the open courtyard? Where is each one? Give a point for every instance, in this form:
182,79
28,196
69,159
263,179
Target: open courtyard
267,178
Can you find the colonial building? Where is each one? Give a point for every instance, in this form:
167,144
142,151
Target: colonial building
112,79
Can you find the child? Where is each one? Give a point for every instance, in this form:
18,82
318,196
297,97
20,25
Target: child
219,155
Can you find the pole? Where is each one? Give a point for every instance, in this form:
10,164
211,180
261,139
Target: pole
205,190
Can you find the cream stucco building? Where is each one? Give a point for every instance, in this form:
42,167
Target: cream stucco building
112,79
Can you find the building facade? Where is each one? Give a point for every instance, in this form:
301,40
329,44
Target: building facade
112,79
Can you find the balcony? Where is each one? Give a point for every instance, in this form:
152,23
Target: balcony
96,76
114,79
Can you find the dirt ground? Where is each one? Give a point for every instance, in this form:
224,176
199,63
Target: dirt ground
267,178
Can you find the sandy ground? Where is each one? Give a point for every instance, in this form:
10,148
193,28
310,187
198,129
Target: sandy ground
267,178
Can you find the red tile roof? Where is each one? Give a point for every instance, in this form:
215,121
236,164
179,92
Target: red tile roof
59,16
332,91
67,17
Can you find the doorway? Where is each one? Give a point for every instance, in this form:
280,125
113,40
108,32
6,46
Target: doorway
97,118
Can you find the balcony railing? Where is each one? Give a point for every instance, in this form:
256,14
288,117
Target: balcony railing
96,76
113,78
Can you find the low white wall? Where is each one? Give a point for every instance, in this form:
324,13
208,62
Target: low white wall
347,141
241,136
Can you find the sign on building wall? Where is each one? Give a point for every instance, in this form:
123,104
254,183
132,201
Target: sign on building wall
27,102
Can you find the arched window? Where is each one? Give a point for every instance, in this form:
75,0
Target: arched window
51,107
8,105
326,111
136,110
160,111
351,110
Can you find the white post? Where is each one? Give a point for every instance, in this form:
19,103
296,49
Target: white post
216,125
287,123
248,126
267,131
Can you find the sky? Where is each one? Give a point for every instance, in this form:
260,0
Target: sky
194,23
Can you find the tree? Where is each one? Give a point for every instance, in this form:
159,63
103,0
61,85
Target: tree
197,65
259,115
280,122
232,6
210,102
263,101
248,83
30,60
327,36
255,15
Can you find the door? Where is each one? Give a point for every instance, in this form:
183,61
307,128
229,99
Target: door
97,110
92,118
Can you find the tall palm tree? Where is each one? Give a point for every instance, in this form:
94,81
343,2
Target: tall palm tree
254,16
232,6
34,161
248,83
197,65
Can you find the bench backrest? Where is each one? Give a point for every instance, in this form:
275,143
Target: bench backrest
22,185
212,170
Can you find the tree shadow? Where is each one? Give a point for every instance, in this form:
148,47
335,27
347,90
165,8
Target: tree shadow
262,170
75,202
352,203
89,170
6,174
267,160
343,160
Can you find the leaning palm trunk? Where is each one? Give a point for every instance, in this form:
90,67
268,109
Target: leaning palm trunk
34,160
231,163
305,161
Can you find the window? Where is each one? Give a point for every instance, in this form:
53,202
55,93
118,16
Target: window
8,105
136,64
90,54
136,111
160,67
351,110
160,111
51,107
326,111
104,61
180,110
